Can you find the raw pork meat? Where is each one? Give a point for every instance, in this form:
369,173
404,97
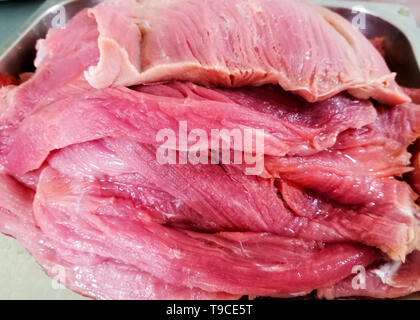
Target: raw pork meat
124,167
290,126
94,276
260,264
302,47
82,189
384,280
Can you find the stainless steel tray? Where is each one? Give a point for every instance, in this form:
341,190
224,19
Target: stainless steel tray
394,22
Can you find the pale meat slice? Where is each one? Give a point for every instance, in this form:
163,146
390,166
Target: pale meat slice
302,47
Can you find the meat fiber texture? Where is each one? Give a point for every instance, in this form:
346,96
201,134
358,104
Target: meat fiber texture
81,187
302,47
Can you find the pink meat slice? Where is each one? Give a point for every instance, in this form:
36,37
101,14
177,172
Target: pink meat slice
93,276
387,131
237,263
302,47
178,195
288,127
387,227
385,199
123,226
383,280
352,173
356,151
61,59
315,125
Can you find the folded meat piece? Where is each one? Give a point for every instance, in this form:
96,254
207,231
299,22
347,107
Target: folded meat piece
178,195
16,200
89,197
351,173
387,226
95,276
289,125
237,263
382,280
355,152
61,59
300,46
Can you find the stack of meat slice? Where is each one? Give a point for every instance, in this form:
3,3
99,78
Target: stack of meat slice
82,188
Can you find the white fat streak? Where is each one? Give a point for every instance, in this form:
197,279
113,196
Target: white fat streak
387,271
271,268
407,210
